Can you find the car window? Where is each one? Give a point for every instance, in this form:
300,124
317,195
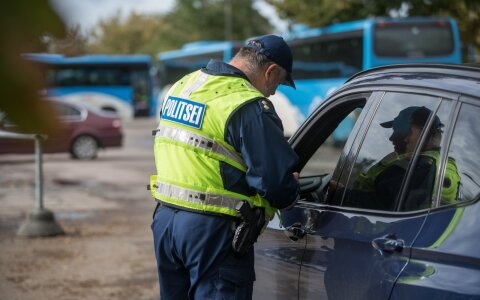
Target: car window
399,152
462,173
67,112
326,156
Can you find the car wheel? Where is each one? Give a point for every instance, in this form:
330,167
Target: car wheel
84,147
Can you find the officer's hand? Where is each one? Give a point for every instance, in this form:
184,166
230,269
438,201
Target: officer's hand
296,175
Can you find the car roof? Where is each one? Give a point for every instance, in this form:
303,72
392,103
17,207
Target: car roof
463,79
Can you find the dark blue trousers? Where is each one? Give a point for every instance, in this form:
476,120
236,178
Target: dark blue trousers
195,259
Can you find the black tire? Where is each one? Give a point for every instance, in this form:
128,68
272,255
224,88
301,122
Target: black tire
84,147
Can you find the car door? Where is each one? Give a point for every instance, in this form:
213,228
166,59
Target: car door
355,249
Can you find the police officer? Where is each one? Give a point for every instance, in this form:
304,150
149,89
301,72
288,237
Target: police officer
219,144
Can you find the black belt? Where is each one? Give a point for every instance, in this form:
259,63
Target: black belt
172,206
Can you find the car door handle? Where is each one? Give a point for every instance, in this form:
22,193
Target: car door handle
388,243
296,231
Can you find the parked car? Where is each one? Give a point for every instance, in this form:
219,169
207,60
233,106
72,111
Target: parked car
84,131
412,233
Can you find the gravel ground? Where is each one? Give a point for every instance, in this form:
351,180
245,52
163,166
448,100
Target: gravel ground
105,211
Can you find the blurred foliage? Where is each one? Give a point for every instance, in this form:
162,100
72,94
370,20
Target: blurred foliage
188,21
324,12
216,20
23,24
137,34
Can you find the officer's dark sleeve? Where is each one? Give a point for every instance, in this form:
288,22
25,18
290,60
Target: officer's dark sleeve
256,131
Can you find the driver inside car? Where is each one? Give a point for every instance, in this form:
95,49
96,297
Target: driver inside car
379,186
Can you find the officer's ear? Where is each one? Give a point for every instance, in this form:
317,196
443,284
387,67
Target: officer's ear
276,72
270,70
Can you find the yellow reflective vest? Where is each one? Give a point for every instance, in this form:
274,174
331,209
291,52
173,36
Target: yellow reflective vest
190,143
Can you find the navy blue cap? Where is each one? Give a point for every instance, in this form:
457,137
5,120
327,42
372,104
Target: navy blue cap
417,115
277,50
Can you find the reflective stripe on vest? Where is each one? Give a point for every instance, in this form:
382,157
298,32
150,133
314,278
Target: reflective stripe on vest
196,197
195,85
199,141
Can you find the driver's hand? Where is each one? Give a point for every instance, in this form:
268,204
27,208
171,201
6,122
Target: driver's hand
333,185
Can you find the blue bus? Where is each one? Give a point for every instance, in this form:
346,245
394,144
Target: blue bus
120,83
324,58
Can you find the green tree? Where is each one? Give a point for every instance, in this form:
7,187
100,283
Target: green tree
137,34
324,12
188,21
216,20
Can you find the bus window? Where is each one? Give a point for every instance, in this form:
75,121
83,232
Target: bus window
328,56
410,40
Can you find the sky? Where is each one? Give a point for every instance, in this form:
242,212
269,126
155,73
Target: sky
87,13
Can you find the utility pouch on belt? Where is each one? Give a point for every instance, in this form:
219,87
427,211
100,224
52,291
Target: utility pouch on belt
247,232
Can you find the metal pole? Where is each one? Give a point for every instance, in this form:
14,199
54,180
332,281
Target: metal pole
38,173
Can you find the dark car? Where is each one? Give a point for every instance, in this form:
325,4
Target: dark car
84,130
394,213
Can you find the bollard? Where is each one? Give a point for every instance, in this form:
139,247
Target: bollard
40,222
